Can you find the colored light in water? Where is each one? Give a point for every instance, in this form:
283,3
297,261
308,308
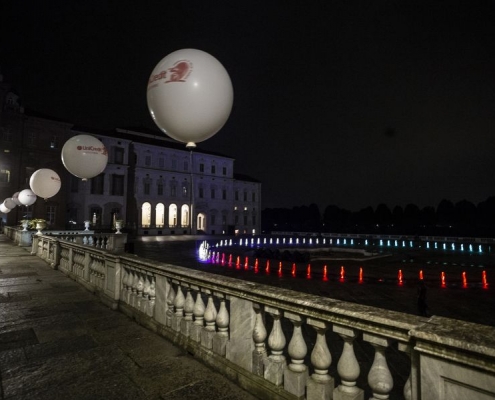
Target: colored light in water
388,243
246,263
217,257
280,268
290,241
325,277
420,274
470,247
462,247
352,241
381,242
464,280
445,246
442,279
410,244
238,263
256,266
479,249
342,273
427,245
223,258
294,270
396,243
345,241
267,268
308,271
360,275
436,245
366,242
484,280
399,277
310,241
230,260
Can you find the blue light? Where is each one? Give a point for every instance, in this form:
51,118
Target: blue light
345,241
427,245
352,241
396,243
203,251
480,250
436,247
388,243
445,246
338,242
410,243
453,246
381,242
470,247
366,242
462,247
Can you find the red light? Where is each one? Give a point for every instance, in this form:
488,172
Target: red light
442,279
230,260
484,280
246,263
223,258
464,280
267,269
218,258
399,277
280,268
420,274
294,270
256,266
325,277
342,274
308,272
360,275
238,263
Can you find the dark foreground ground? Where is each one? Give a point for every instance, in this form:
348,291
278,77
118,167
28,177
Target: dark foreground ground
379,287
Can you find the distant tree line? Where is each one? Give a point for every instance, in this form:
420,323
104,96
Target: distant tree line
447,219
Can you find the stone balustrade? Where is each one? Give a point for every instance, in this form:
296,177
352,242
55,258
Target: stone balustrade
282,344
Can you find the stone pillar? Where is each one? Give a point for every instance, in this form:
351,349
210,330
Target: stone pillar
210,317
275,363
198,312
179,301
347,367
259,337
222,322
411,389
379,378
296,375
187,321
161,306
321,384
170,303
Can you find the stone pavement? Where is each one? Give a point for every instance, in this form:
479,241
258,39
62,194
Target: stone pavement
57,341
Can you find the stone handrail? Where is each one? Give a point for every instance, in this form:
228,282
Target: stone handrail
286,344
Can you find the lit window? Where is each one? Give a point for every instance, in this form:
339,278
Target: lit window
4,175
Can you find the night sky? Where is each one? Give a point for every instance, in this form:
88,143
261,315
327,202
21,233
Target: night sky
335,102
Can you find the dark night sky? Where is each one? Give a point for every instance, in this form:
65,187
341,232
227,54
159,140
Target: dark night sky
337,102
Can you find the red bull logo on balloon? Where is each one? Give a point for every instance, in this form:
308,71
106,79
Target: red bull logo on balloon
176,73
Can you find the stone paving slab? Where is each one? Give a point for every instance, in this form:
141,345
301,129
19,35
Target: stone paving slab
57,341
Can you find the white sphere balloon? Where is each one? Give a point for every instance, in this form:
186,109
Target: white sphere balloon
45,183
15,198
4,209
84,156
27,197
190,95
9,203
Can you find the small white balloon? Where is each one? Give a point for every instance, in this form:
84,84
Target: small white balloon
9,203
15,198
45,183
27,197
4,209
84,156
190,95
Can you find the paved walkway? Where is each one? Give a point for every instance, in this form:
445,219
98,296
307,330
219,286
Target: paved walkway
57,341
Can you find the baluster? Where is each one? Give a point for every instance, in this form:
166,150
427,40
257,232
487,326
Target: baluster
187,321
222,321
210,317
347,367
130,279
170,303
179,308
125,274
259,337
321,384
198,312
296,375
146,294
379,378
275,363
152,295
139,291
410,387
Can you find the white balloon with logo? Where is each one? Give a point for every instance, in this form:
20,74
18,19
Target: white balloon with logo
84,156
27,197
9,203
45,183
15,198
190,95
4,209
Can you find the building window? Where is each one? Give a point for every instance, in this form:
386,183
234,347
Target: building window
172,216
7,134
224,170
201,167
4,175
236,219
31,138
97,184
253,196
186,166
212,193
184,216
147,185
174,164
146,215
245,220
224,220
237,195
117,185
160,215
184,189
213,219
74,184
161,162
201,193
118,155
245,196
50,214
213,169
224,194
173,189
147,160
159,189
254,220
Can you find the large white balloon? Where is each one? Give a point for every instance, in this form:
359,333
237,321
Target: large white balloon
4,209
190,95
84,156
27,197
9,203
45,183
15,198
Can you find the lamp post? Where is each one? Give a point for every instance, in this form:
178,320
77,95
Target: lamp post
191,146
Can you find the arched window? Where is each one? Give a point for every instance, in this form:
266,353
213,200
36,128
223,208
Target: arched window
201,222
146,215
172,216
184,216
160,215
